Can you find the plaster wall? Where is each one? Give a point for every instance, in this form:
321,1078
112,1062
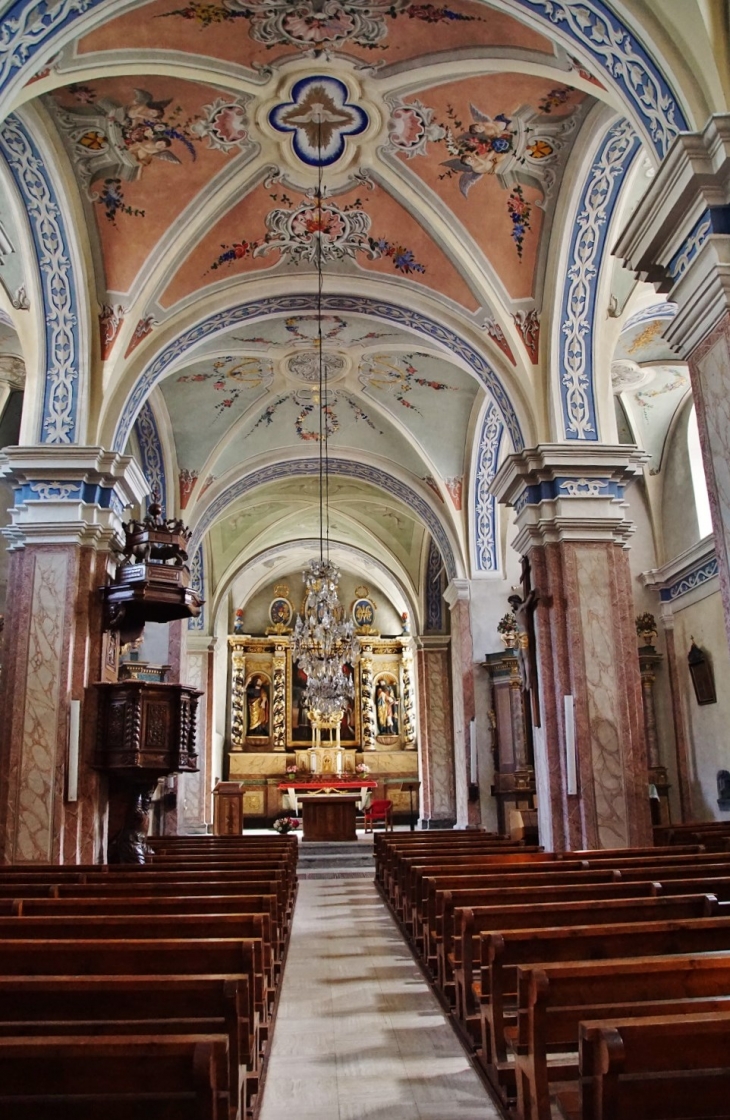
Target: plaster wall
706,725
680,529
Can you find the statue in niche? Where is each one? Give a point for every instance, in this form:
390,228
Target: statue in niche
257,701
386,707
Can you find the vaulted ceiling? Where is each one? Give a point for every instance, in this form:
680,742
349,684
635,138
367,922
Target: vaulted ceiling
186,144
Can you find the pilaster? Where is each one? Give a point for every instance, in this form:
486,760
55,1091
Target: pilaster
590,756
436,733
462,670
67,513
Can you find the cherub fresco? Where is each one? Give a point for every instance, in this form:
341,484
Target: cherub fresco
113,142
480,149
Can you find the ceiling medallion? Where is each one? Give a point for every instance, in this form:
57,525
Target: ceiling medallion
319,119
627,375
304,366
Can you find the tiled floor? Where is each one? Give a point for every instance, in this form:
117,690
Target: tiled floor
359,1035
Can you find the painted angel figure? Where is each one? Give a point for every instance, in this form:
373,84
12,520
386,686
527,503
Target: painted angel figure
146,133
480,150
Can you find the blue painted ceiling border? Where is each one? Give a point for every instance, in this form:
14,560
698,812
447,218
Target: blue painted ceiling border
344,468
150,449
596,28
291,304
576,345
59,420
485,504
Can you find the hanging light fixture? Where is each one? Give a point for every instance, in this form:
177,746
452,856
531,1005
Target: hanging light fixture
324,641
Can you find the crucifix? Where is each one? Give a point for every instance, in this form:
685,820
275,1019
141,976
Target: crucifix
524,607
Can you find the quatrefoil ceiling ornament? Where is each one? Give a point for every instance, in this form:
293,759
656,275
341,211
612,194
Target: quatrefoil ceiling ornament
319,119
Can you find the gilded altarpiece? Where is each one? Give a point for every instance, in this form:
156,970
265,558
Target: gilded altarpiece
269,725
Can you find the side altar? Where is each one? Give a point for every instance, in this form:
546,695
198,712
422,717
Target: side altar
271,737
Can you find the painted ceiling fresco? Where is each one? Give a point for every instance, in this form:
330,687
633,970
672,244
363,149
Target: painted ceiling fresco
251,33
222,149
389,403
282,512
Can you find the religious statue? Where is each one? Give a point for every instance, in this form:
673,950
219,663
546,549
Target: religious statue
257,699
386,708
524,607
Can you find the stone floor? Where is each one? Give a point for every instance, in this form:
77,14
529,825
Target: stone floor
359,1035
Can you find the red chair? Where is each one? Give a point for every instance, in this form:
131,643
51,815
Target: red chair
379,811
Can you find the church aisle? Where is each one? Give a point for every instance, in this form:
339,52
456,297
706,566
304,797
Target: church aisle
359,1035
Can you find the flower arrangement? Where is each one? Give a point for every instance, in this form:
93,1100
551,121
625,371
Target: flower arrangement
507,624
362,769
285,824
291,770
645,623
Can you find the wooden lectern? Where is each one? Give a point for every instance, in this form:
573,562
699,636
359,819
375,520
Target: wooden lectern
228,809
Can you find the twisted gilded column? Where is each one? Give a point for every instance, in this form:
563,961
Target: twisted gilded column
238,695
409,700
367,700
278,707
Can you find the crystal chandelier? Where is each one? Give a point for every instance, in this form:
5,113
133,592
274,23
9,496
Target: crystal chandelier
324,640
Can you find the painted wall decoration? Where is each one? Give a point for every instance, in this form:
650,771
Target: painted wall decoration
150,447
306,423
301,231
485,504
596,204
398,376
230,377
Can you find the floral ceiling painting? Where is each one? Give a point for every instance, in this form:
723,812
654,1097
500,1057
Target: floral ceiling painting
141,154
249,33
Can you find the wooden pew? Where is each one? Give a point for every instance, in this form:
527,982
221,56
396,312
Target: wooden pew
143,1005
503,950
255,928
409,895
456,900
657,1068
85,1078
475,922
552,1000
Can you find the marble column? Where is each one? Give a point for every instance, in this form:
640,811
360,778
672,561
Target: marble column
67,514
462,673
678,238
436,733
591,770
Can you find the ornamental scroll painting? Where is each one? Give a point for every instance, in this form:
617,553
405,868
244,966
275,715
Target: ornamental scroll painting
258,706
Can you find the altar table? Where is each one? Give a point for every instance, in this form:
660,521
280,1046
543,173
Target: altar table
329,816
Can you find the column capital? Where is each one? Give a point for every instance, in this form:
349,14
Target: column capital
67,494
565,492
678,238
459,590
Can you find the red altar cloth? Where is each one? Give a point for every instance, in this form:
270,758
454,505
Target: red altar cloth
310,786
